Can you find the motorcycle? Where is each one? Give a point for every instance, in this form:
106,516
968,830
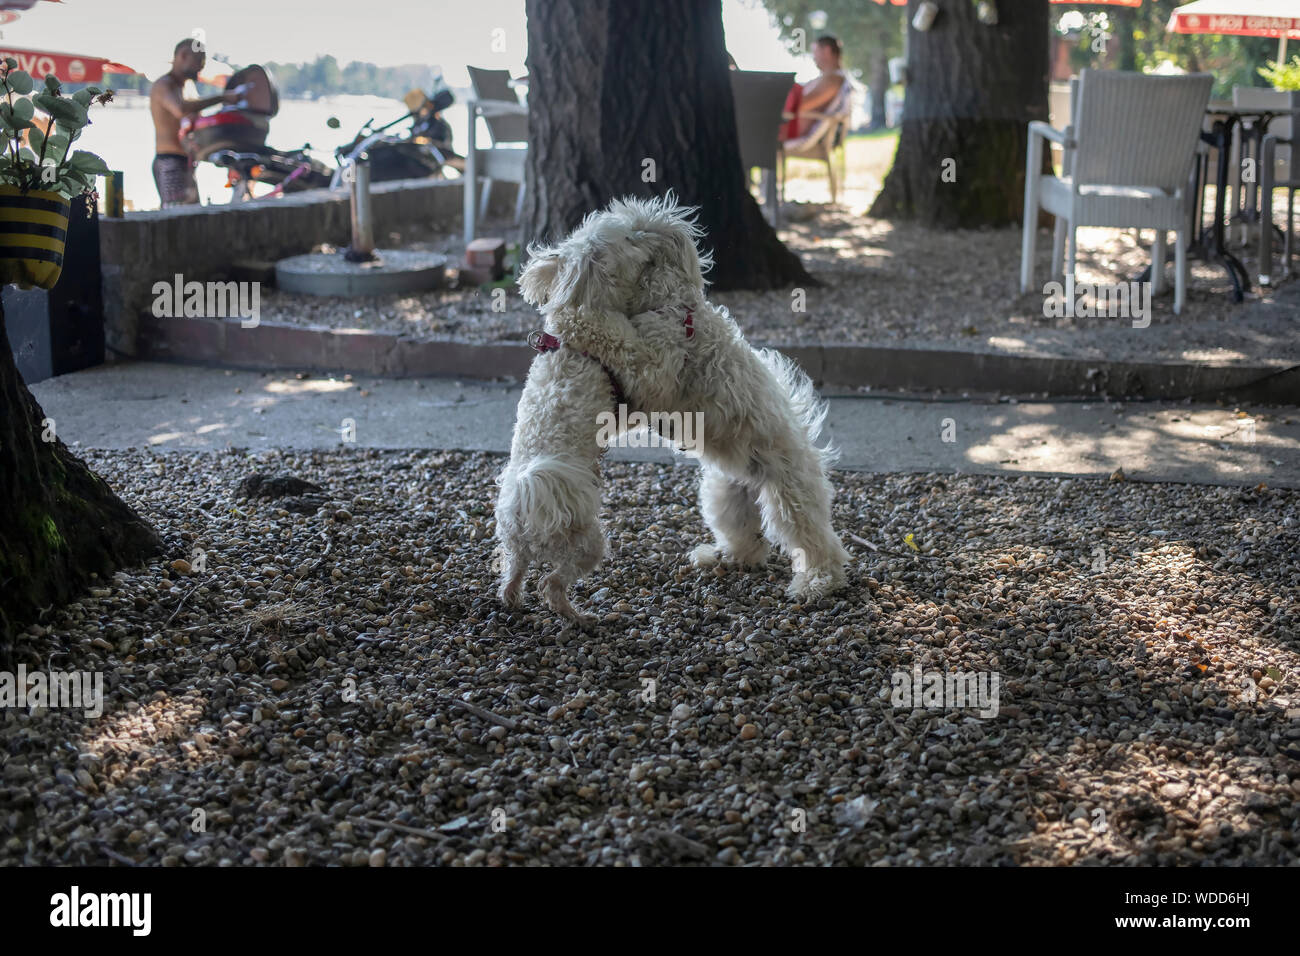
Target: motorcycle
235,138
424,152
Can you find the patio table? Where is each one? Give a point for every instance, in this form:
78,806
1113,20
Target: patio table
1211,243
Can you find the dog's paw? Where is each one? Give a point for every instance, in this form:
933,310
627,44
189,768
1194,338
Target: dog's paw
511,594
814,583
705,556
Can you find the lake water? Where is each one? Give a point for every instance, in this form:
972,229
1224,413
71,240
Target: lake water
122,133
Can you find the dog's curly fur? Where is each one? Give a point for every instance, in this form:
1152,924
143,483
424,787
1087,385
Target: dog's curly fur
618,288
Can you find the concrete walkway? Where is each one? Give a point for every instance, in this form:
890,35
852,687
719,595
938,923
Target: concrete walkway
180,407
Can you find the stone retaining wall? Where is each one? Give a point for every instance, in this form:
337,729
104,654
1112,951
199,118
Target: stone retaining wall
203,242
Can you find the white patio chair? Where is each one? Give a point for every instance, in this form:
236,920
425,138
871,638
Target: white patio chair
759,99
1128,157
507,122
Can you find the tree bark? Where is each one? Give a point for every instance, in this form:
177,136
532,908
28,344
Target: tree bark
972,92
59,522
634,99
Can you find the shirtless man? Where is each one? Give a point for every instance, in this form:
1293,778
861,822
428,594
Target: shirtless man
815,95
173,173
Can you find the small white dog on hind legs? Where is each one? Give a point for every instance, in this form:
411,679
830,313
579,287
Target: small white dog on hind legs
626,290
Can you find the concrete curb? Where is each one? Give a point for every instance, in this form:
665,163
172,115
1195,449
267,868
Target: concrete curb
223,342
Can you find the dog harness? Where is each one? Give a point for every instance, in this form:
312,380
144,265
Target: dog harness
543,342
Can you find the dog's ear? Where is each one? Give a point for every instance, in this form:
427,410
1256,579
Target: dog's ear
538,277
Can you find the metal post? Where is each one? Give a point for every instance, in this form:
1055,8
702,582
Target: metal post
113,202
363,225
470,180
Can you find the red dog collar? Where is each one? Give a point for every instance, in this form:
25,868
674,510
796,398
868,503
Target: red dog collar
543,342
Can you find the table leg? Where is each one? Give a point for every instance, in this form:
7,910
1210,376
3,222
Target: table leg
1211,245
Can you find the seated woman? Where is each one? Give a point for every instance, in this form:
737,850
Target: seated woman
815,95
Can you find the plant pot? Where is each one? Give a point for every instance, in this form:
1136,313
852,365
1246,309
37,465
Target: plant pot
33,229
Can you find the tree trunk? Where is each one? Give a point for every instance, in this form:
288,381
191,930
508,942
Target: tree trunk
634,99
972,91
1125,22
59,522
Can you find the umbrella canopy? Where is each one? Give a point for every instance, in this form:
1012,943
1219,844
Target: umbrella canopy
1247,18
68,67
1244,18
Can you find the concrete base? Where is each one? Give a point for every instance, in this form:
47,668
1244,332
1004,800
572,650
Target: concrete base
270,346
393,270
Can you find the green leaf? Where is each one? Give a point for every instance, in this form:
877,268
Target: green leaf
65,111
36,139
73,178
20,82
52,83
56,145
23,109
26,154
82,97
11,63
86,162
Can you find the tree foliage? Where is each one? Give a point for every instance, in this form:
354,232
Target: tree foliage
868,32
1137,40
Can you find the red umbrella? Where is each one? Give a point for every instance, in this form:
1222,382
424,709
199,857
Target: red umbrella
66,66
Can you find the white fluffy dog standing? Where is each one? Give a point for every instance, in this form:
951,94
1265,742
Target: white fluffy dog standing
548,509
763,477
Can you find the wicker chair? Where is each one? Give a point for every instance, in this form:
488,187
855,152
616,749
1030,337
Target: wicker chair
1128,159
825,141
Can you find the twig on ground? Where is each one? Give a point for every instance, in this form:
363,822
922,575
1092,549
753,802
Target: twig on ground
184,598
897,554
506,722
114,855
414,831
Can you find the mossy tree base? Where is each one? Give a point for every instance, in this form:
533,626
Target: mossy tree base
59,522
973,91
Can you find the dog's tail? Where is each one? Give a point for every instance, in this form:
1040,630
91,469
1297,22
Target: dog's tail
551,494
809,407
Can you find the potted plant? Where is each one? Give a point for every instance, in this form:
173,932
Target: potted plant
40,173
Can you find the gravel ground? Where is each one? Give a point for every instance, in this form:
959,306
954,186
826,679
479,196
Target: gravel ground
896,285
306,691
